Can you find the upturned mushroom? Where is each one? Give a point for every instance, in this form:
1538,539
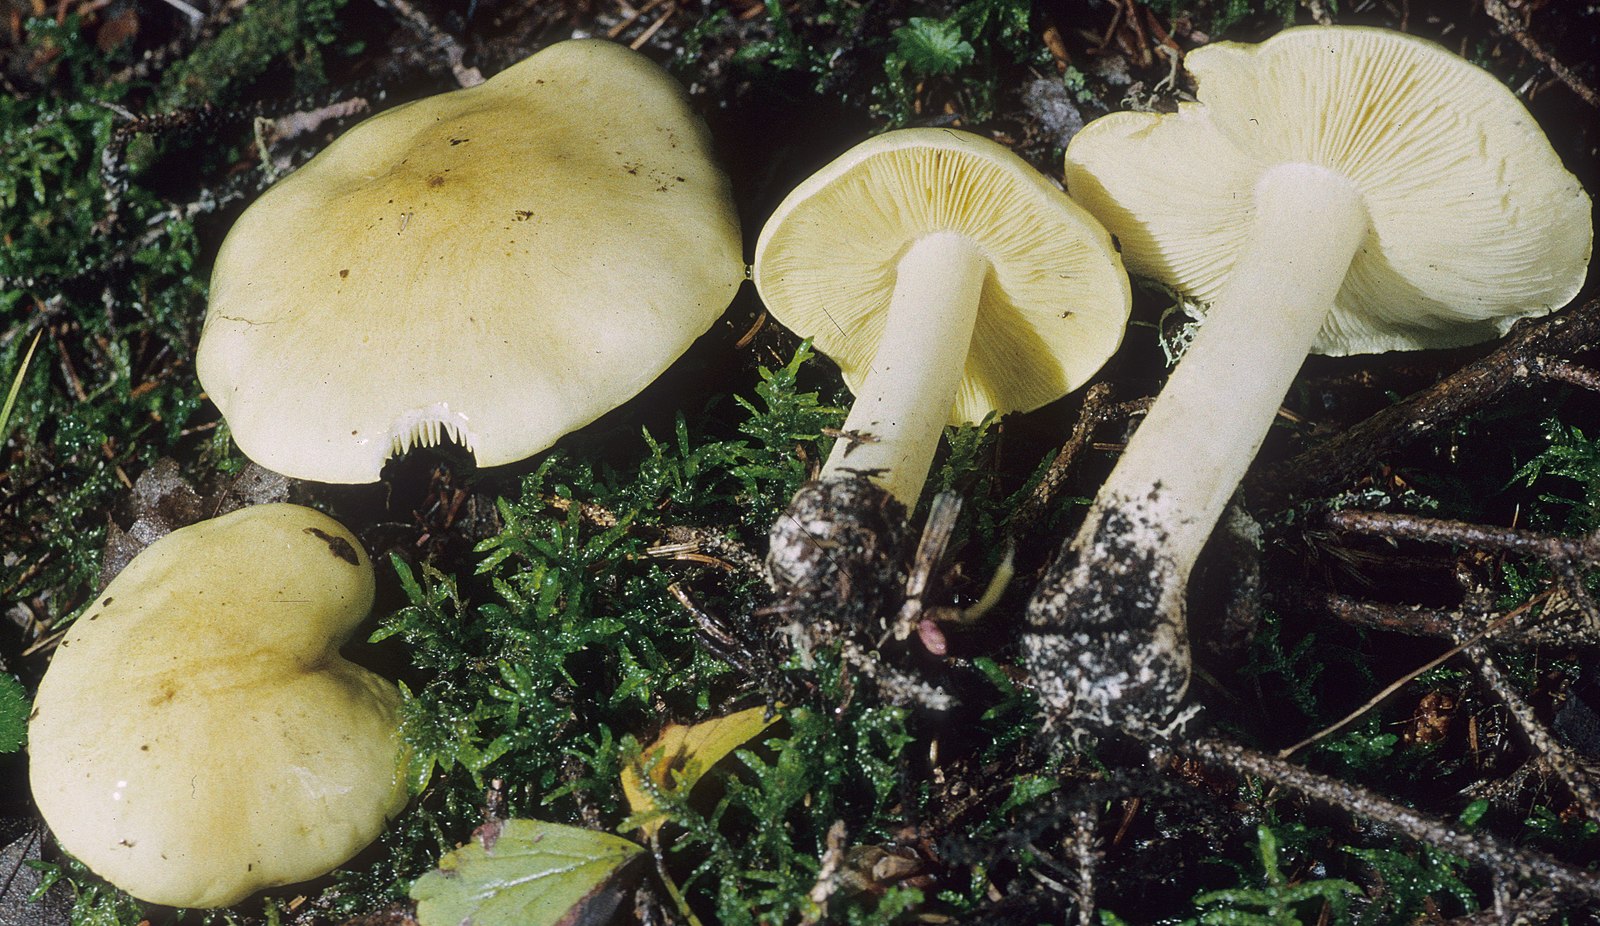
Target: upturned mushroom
197,736
1334,190
948,279
499,265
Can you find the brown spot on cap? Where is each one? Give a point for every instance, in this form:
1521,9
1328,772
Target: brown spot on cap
338,545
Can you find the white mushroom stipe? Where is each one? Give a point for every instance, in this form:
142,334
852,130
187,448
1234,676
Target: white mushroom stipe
894,427
1333,190
1309,222
949,280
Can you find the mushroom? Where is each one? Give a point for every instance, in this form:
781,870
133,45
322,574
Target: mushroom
197,736
500,265
949,280
1335,190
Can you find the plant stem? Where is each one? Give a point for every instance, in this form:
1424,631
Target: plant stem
1111,605
899,414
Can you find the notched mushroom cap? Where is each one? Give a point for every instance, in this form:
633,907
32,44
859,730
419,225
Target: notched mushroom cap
1054,302
1474,221
500,265
197,736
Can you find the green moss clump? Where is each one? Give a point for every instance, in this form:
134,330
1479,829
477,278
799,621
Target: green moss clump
268,31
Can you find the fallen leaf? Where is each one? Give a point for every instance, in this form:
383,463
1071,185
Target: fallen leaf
682,754
529,873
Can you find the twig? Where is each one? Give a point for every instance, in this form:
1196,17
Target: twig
196,18
1479,848
1084,821
633,17
731,554
1097,410
1406,679
751,332
715,635
828,875
1460,533
649,33
270,131
1502,14
1555,755
921,581
1561,371
1527,908
440,41
1411,620
1561,621
1525,357
1564,554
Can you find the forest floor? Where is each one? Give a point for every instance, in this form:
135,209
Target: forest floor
1426,518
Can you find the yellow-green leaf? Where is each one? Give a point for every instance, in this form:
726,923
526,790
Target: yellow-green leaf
16,387
527,873
677,759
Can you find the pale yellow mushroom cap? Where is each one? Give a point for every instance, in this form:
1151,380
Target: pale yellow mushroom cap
1055,300
501,264
197,736
1474,221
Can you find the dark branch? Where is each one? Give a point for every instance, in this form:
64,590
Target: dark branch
1534,352
1479,848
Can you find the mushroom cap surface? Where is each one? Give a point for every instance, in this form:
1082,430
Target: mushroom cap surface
501,264
1475,223
197,736
1055,300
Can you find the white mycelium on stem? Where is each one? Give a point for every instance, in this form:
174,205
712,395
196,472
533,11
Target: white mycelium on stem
949,280
1334,190
1181,466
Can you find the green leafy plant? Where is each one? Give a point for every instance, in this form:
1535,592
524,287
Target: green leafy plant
930,47
1570,458
13,713
1412,882
1277,901
966,47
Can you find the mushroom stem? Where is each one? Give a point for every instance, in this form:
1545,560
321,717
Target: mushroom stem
900,411
1112,602
1206,426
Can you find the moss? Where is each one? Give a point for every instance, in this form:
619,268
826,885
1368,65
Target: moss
564,639
266,33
